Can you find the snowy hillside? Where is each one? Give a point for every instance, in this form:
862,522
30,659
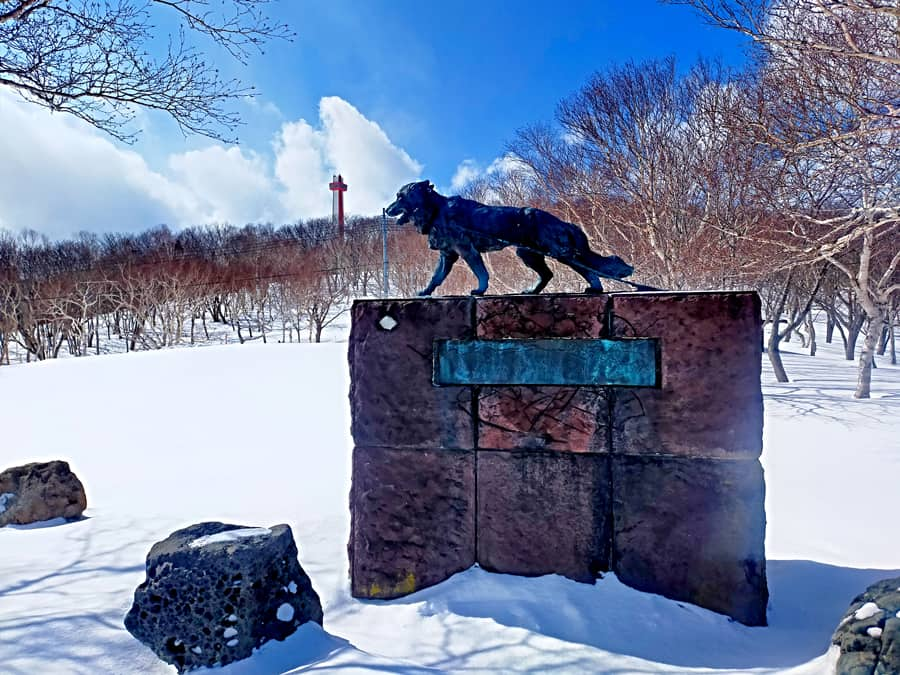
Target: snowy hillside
258,435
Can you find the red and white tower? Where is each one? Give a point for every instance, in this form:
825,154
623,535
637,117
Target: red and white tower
338,187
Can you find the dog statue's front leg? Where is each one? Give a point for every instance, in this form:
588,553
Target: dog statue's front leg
473,258
445,264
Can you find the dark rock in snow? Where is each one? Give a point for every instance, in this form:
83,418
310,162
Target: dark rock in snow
215,592
869,634
40,491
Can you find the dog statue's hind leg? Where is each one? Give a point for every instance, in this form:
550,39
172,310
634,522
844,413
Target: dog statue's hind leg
476,264
536,261
594,285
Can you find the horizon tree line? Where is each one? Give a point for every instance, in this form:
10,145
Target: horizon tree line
783,176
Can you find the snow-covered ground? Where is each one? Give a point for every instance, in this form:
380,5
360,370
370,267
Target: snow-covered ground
258,434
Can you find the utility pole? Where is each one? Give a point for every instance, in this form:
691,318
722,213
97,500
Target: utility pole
384,256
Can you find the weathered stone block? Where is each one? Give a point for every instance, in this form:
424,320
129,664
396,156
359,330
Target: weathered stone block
412,519
710,403
215,592
543,513
531,316
568,419
40,491
392,399
692,529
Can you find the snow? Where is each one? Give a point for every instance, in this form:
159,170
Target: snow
165,439
230,536
867,611
5,499
388,322
285,612
874,632
292,587
229,632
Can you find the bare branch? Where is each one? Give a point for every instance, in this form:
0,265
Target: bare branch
93,59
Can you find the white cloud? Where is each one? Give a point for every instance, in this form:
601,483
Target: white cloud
346,143
506,164
228,184
360,149
300,165
571,138
264,106
469,170
59,176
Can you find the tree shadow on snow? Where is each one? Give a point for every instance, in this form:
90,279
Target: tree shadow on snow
823,387
64,603
65,606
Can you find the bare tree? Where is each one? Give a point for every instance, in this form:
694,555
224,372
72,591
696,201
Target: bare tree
98,59
828,27
642,160
825,121
321,288
798,287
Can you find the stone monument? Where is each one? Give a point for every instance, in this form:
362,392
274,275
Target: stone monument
566,434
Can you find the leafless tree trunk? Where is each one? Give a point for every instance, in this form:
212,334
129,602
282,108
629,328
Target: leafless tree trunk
811,329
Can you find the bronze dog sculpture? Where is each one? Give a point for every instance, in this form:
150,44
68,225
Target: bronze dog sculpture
464,228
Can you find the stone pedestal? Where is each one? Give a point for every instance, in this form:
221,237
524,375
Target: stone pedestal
660,483
412,519
543,513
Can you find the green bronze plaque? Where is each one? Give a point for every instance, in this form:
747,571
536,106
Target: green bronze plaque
548,362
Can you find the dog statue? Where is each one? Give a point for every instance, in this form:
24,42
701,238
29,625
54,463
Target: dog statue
459,227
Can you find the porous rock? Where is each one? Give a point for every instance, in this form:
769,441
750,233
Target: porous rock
40,491
869,633
215,592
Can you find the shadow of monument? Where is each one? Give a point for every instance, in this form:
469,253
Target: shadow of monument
807,600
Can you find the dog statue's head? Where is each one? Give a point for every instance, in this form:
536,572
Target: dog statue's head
412,205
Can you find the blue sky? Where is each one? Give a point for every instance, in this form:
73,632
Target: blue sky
450,81
384,92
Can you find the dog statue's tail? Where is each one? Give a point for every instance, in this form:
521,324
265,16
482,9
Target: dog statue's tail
608,266
611,267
